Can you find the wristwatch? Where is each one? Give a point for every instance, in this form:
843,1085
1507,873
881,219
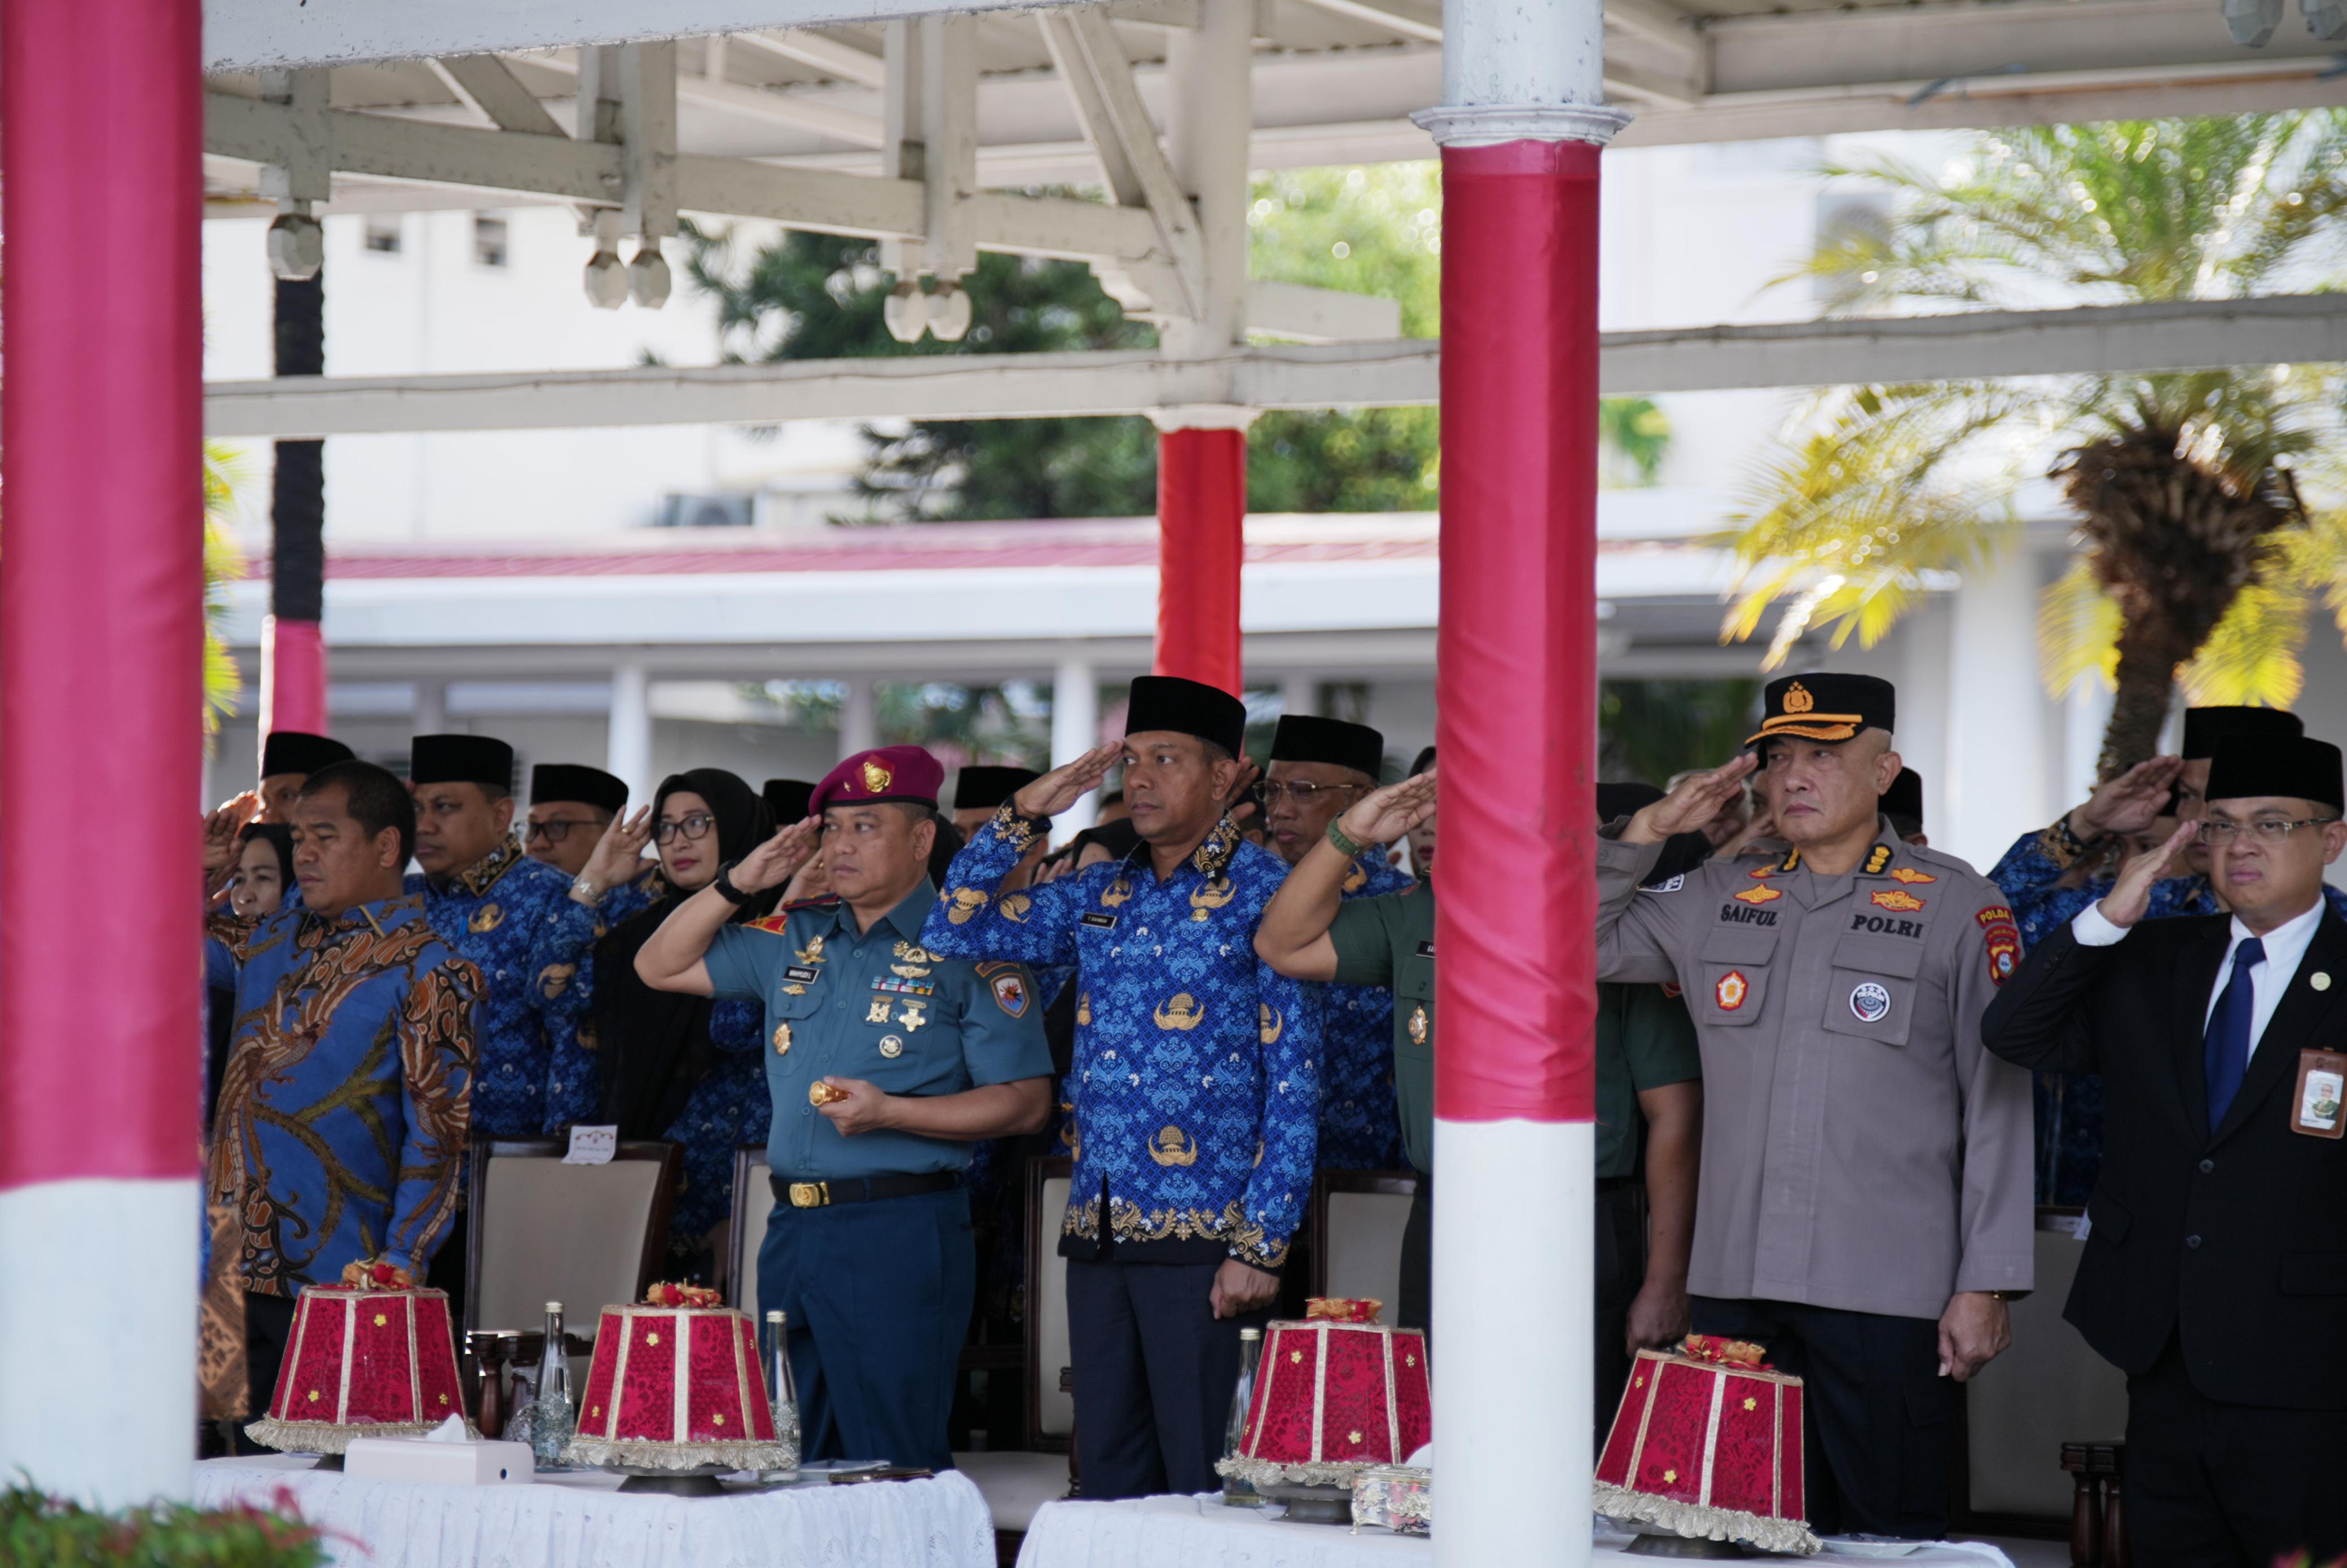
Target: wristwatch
1343,840
725,888
585,892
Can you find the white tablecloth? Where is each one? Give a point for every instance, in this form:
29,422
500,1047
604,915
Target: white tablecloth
1185,1532
582,1521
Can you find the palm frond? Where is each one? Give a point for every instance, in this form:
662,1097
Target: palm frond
2077,632
2252,657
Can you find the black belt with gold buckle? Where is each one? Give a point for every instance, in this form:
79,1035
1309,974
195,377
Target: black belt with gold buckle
859,1189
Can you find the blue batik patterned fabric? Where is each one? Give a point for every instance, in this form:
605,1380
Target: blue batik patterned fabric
1361,1126
728,1108
514,919
2070,1104
343,1108
1196,1080
574,1088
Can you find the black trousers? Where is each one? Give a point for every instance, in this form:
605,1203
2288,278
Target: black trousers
1154,1371
448,1268
1880,1418
2210,1483
1415,1309
268,1335
1621,1271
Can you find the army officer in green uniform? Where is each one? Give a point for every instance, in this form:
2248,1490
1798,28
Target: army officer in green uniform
886,1064
1649,1081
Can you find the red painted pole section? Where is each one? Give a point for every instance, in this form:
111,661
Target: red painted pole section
293,677
101,585
1202,519
1517,648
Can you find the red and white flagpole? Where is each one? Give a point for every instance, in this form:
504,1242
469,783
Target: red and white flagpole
1520,130
101,644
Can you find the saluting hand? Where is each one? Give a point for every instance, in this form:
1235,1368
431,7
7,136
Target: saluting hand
2130,896
2129,802
1385,814
1695,801
1236,805
620,851
222,826
771,863
1060,788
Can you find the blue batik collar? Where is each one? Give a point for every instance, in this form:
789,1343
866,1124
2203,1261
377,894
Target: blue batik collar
482,875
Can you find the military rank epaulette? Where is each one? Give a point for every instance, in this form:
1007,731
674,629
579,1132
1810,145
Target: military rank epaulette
1876,859
775,923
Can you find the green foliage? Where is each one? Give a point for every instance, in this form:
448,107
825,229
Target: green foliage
222,566
1877,487
1007,722
35,1529
1649,730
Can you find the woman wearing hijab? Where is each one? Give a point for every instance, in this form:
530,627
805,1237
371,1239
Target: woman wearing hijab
680,1068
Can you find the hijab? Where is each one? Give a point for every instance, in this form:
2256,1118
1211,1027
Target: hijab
653,1046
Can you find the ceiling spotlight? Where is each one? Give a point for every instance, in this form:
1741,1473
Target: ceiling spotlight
648,276
2252,22
297,245
949,307
2325,18
606,276
903,313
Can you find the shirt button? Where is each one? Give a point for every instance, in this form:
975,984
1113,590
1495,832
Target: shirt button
2206,1166
2192,1241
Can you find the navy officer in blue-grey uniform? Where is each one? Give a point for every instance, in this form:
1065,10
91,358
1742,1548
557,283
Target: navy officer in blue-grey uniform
886,1063
1319,767
1195,1080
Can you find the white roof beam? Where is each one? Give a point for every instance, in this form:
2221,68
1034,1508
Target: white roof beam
1411,18
759,103
2195,334
844,62
490,89
1302,314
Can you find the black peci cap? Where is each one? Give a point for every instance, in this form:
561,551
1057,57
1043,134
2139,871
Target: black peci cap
1819,706
1304,738
787,799
1903,801
2205,727
2290,767
575,780
299,752
461,759
1425,760
984,787
1187,708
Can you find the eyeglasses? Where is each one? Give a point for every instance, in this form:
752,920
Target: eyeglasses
2265,830
1302,793
555,829
697,825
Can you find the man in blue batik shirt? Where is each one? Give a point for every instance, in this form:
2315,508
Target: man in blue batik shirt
2034,878
1319,768
1195,1080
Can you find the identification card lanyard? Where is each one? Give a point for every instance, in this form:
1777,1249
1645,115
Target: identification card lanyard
2316,1107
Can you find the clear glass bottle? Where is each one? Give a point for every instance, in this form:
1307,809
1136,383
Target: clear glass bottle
781,1389
553,1417
1234,1490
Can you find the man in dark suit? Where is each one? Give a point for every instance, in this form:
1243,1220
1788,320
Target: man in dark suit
2214,1272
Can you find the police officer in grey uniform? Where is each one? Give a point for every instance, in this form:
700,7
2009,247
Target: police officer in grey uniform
886,1064
1864,1205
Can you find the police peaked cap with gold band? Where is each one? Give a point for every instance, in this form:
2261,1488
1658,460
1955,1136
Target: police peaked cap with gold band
298,752
889,772
461,759
1187,708
1309,738
2205,728
2291,767
1822,707
576,781
982,788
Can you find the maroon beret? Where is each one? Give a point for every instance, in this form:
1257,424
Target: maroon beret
889,772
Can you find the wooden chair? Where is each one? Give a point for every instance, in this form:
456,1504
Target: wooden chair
589,1236
1356,1222
753,1201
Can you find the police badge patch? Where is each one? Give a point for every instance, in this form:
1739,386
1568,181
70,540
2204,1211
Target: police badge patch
1870,1002
1008,984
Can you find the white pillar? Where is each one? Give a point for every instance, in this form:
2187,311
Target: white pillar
859,722
1075,730
629,749
1299,694
2000,757
431,709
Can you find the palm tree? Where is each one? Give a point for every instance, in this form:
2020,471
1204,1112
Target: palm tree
222,566
2207,503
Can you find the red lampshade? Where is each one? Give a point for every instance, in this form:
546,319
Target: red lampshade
363,1363
1333,1396
676,1387
1708,1444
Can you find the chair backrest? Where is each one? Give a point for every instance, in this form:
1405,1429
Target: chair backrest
1356,1220
1051,1410
2047,1389
589,1236
753,1201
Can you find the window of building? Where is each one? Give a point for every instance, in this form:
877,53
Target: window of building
383,232
490,244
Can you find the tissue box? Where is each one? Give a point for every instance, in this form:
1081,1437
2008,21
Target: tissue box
439,1463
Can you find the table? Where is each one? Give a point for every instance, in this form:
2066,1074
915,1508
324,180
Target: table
1184,1532
581,1521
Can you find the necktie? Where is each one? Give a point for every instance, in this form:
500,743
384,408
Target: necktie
2225,1056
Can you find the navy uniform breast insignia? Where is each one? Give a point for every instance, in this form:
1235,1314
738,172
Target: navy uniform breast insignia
891,1045
781,1039
912,1018
1417,1026
877,1010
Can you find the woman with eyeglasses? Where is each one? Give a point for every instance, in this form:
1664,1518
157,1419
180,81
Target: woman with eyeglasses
682,1068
